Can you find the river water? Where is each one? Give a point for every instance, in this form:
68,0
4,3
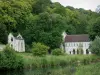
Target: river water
46,71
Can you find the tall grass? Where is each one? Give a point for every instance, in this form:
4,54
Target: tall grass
93,69
50,61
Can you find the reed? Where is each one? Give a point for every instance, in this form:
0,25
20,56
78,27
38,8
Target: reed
51,61
92,69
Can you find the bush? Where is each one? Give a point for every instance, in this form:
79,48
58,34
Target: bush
57,52
9,59
95,46
39,49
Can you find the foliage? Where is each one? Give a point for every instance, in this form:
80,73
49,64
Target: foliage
44,21
98,9
3,34
57,52
96,28
39,49
95,46
9,59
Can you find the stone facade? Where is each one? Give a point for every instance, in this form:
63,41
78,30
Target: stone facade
17,43
76,44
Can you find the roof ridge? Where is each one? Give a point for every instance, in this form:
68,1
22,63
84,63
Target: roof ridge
77,35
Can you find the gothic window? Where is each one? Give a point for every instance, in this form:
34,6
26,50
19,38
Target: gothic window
87,51
11,39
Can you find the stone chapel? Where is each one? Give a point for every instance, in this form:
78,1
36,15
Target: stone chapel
17,43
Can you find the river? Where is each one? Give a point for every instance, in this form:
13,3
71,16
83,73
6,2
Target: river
46,71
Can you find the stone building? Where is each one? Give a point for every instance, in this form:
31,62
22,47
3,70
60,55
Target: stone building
76,44
17,43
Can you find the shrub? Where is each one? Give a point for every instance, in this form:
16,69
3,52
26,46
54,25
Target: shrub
9,59
57,52
95,46
39,49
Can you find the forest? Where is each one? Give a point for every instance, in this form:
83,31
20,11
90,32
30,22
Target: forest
44,21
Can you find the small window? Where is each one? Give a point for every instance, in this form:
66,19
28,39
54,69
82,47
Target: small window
19,37
74,44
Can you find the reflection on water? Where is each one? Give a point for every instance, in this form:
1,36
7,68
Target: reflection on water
53,71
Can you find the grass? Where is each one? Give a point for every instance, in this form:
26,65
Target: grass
59,65
50,61
92,69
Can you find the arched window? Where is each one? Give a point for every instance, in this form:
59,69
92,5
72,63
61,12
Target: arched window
81,51
70,52
77,51
73,51
87,51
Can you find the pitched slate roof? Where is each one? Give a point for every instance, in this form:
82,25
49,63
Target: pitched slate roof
77,38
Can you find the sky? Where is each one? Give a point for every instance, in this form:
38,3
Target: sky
86,4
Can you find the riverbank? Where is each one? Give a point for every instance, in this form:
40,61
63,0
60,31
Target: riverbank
57,65
92,69
50,61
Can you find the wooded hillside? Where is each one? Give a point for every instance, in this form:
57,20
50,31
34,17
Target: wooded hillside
44,21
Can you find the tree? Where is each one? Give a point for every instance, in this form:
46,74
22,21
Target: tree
98,9
45,28
57,52
3,34
44,21
39,49
95,46
59,9
9,59
40,6
95,29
